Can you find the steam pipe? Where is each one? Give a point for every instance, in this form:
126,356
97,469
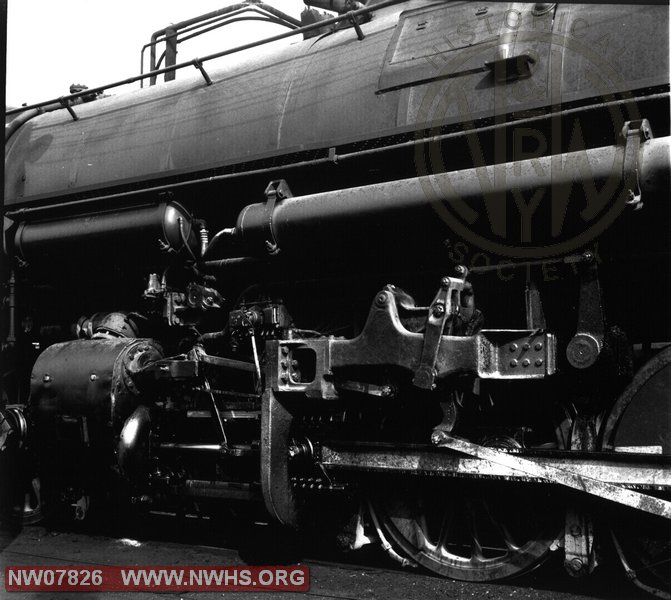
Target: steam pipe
33,212
14,124
181,25
209,25
278,13
138,226
229,20
294,220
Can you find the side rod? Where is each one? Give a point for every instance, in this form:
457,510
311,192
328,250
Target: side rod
561,476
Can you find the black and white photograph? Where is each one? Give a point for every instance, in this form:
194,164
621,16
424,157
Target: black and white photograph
335,300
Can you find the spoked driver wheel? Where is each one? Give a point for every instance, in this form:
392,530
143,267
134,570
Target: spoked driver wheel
16,471
471,530
31,510
640,422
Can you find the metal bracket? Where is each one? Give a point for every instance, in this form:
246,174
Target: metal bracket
534,305
276,191
447,423
511,68
385,342
352,19
199,65
579,549
444,306
278,495
67,104
585,347
634,133
580,557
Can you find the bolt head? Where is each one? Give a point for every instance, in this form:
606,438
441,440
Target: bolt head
513,347
285,350
438,310
381,299
513,363
583,351
526,347
437,437
576,564
46,378
284,378
538,346
526,362
93,377
460,269
539,362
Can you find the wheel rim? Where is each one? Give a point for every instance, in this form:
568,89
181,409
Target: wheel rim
32,510
24,490
476,529
472,531
643,544
639,422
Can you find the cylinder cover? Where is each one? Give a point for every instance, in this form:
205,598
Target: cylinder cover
90,382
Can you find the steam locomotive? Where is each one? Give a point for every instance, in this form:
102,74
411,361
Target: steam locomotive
257,285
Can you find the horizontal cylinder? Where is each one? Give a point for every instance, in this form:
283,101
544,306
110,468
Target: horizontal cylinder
507,190
90,378
125,230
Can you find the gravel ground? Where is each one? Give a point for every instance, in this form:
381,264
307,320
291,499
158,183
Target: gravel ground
366,574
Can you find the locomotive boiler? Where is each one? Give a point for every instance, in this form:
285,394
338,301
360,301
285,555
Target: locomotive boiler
409,272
